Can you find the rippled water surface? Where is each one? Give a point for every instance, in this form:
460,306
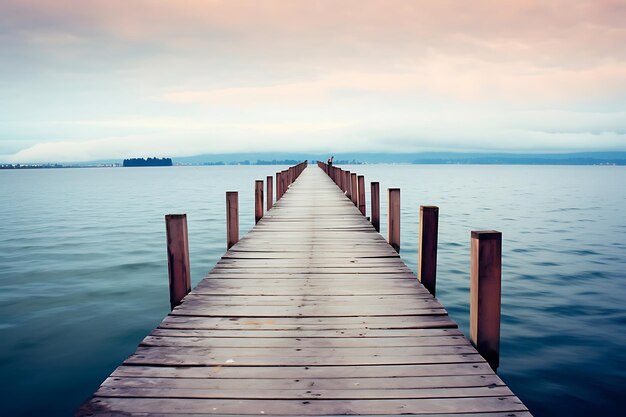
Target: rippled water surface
83,273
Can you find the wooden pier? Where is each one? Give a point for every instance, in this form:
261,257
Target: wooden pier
311,313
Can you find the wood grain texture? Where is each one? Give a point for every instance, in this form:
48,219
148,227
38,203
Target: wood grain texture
485,276
427,248
258,200
311,313
177,257
375,202
270,192
232,218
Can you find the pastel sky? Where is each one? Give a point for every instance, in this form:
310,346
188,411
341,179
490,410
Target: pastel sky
100,79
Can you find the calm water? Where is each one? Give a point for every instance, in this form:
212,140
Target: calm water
83,273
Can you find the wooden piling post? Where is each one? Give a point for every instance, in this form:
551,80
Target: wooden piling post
348,184
341,178
393,218
427,252
375,202
285,179
355,189
232,218
270,192
485,288
278,186
361,181
177,257
258,200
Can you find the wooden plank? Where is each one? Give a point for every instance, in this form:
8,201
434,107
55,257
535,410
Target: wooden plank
307,323
311,407
492,414
304,333
188,360
389,383
296,373
213,302
326,299
321,342
126,414
301,351
155,391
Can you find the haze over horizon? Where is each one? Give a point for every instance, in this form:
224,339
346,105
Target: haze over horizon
100,79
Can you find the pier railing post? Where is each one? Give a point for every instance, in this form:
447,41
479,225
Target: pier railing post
375,202
361,181
258,200
232,218
355,189
485,288
427,252
270,192
393,218
177,257
278,186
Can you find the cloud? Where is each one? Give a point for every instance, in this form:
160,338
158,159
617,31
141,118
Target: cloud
170,141
107,78
460,130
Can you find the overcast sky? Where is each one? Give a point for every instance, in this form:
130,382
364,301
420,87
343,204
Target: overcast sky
85,80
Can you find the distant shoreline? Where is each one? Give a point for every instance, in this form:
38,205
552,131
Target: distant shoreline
617,158
560,163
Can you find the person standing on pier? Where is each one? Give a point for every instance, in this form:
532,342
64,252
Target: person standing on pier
330,161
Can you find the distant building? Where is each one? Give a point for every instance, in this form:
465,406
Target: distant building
149,162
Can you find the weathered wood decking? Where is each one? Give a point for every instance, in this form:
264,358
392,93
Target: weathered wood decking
311,313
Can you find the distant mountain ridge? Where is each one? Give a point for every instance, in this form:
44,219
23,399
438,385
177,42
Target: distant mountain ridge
577,158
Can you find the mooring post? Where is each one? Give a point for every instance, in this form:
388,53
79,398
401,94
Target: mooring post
355,189
375,202
232,218
361,180
177,257
393,218
427,249
285,178
485,288
270,192
348,184
258,200
340,179
278,186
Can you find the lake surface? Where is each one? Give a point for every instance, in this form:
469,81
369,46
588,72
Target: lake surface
83,269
